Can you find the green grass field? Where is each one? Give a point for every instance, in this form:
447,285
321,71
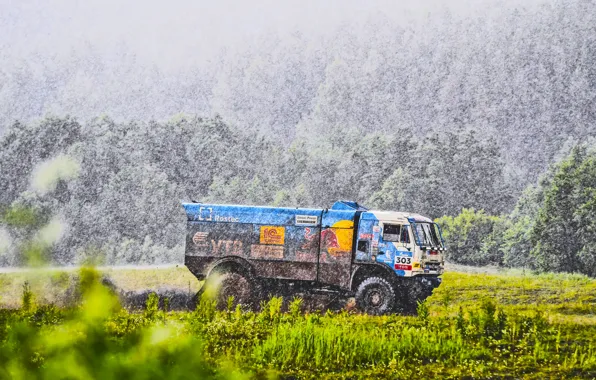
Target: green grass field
511,324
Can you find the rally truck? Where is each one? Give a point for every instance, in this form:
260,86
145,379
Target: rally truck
388,261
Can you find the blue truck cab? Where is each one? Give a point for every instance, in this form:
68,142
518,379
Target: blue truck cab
388,260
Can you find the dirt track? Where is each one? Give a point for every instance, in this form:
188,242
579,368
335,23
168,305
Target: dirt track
132,284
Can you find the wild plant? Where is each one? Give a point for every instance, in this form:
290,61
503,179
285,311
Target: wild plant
487,319
423,311
206,309
27,298
460,323
152,306
271,309
166,304
230,304
295,308
446,298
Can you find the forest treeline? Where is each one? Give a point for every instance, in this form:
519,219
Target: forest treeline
114,188
519,72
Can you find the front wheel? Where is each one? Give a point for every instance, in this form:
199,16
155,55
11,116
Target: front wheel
375,296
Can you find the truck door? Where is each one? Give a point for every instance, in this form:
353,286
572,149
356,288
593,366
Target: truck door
365,241
336,242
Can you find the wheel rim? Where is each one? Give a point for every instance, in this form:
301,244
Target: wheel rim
375,298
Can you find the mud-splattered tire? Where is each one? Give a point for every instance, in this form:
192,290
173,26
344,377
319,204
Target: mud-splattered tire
246,291
375,296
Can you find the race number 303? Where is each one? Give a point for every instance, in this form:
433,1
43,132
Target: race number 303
403,263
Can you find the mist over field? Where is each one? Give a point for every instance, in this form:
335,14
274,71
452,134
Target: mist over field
425,106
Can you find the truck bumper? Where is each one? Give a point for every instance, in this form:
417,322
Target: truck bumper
428,282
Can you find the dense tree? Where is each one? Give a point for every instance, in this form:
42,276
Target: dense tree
551,228
471,237
25,146
516,240
564,236
457,162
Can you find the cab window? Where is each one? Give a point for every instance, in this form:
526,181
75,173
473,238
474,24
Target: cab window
362,250
391,232
396,233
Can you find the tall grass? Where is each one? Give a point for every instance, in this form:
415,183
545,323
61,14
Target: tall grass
337,347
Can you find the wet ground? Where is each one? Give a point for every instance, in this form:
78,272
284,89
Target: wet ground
181,300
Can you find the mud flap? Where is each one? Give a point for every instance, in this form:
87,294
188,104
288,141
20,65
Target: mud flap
413,290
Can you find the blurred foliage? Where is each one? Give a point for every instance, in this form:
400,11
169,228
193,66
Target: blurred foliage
85,343
20,216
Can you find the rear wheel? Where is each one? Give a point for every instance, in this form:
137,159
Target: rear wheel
375,296
221,286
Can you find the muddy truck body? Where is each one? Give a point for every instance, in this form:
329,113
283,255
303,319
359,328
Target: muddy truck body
387,260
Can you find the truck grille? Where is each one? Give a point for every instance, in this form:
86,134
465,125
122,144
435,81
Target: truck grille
432,267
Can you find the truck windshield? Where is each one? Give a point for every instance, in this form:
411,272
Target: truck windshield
429,235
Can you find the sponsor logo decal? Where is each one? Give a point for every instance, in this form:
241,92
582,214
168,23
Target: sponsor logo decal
302,220
205,214
337,240
308,234
200,238
226,219
272,235
311,240
215,247
227,247
329,238
266,251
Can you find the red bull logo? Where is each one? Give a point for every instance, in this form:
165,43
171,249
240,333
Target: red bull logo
336,240
329,238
